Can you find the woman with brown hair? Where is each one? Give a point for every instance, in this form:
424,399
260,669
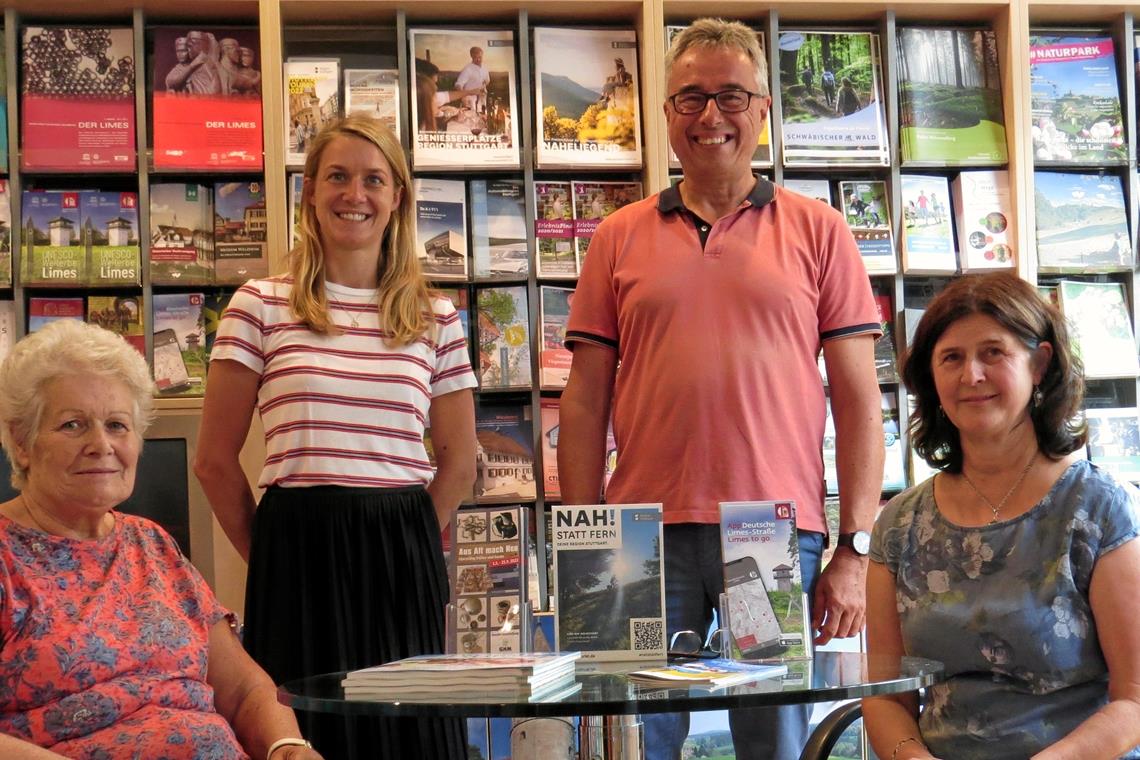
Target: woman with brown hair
1016,565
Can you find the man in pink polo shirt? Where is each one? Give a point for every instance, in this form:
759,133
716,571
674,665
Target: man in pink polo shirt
697,320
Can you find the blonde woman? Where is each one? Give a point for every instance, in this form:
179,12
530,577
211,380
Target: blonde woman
345,357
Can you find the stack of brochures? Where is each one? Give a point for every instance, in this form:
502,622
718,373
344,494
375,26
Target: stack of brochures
709,674
542,676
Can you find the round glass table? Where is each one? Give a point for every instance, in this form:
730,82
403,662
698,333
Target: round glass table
607,691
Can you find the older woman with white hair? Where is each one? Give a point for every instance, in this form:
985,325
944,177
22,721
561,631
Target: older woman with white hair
111,643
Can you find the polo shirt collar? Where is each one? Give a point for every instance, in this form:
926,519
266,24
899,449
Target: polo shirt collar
761,195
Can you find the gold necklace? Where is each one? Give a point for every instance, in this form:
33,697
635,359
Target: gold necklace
351,316
1004,499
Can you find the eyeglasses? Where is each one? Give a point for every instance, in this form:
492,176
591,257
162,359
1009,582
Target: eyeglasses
688,644
728,101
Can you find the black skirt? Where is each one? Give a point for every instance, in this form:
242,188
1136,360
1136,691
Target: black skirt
347,578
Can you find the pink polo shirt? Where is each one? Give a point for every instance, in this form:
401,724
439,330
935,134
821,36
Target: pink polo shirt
718,396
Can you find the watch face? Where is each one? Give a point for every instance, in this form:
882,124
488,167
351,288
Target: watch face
861,542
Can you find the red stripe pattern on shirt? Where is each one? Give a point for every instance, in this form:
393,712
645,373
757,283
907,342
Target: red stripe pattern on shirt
346,409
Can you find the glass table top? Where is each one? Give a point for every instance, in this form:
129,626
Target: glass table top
606,690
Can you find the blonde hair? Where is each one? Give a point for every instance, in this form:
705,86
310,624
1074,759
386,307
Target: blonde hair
720,33
404,304
64,348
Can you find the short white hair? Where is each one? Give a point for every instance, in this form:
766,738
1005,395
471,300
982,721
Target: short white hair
64,348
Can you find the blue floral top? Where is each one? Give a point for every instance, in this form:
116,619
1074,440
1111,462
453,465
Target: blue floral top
1006,608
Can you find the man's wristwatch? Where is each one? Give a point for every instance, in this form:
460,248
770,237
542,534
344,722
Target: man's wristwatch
858,542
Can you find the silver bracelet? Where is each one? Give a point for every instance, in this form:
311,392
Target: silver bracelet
288,741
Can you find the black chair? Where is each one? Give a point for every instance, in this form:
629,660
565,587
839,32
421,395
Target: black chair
827,733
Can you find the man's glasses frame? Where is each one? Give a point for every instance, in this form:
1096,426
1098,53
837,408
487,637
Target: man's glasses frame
685,103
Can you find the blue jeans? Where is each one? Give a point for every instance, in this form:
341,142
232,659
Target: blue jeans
694,580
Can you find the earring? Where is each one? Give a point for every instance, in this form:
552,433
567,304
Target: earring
1038,396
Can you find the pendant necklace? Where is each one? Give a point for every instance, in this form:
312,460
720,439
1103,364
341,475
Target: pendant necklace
997,509
342,307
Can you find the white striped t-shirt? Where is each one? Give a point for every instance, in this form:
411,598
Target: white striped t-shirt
346,409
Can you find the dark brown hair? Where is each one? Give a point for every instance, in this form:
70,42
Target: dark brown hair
1018,307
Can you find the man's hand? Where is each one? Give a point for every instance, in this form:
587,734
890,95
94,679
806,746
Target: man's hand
840,602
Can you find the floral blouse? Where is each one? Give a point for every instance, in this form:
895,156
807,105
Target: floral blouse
1006,608
103,646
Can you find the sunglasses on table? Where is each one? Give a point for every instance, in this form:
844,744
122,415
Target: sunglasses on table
690,645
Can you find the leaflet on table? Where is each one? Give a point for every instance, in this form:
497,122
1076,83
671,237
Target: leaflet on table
488,566
77,104
608,581
207,98
767,608
711,674
463,103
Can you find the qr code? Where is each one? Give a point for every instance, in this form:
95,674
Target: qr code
647,634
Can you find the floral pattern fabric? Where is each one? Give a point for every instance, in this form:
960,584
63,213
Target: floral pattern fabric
1006,608
103,646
